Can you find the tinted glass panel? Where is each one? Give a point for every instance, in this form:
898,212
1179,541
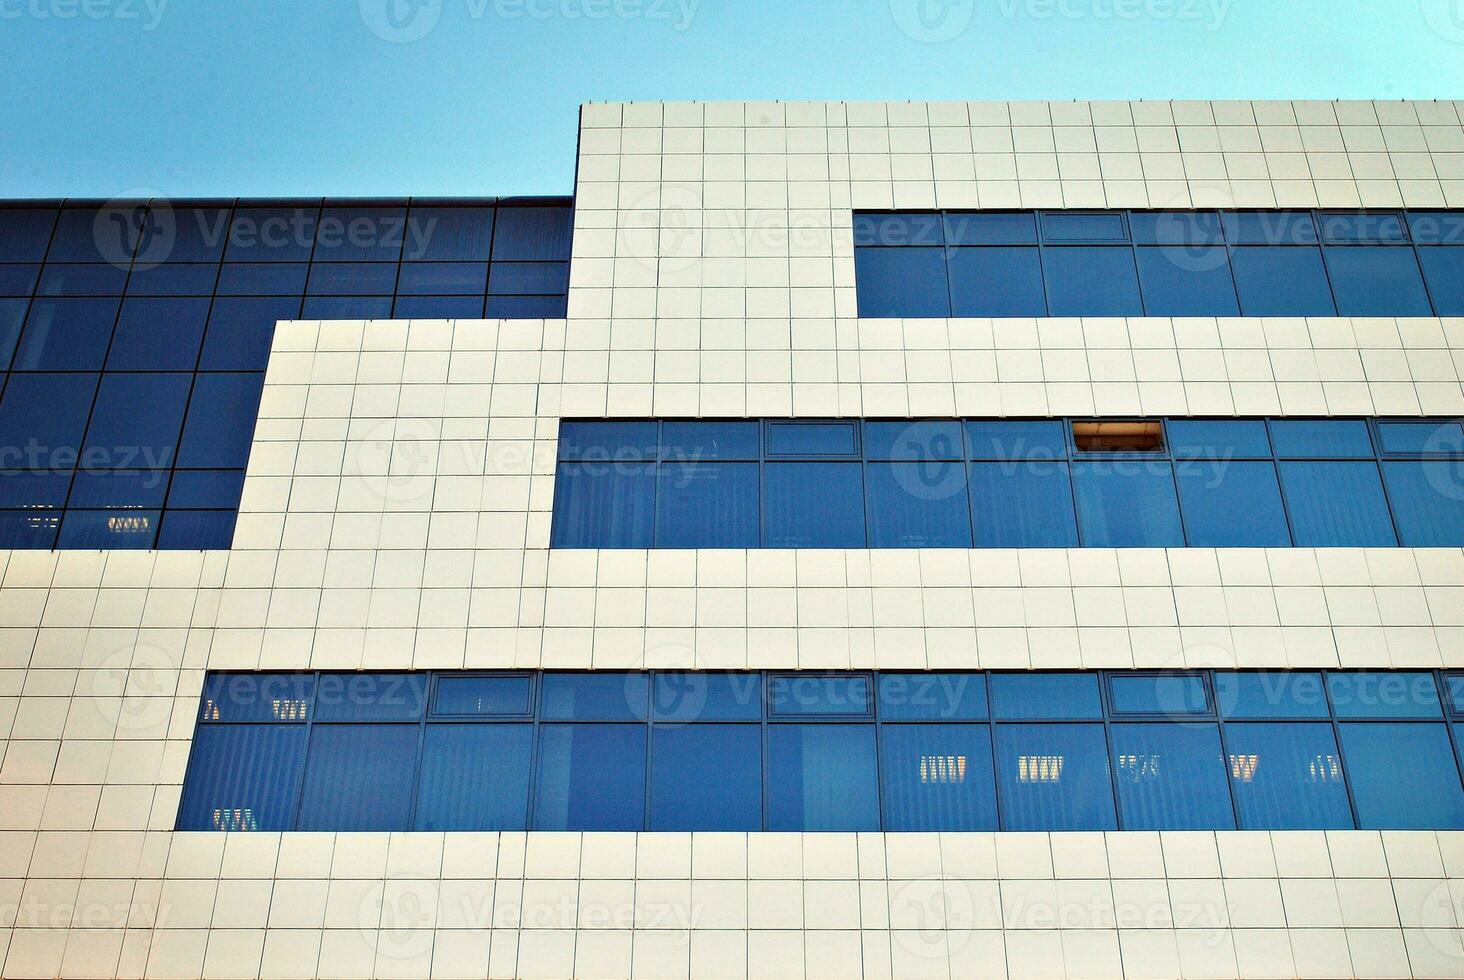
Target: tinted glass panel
706,777
996,282
703,696
591,777
1374,226
1336,505
136,421
604,505
1428,502
173,280
1282,281
264,280
437,307
1437,227
449,233
42,417
918,505
1175,228
1389,694
371,697
66,335
355,234
601,696
1187,281
1322,439
1224,440
240,332
28,530
532,234
353,278
158,335
812,439
709,440
1377,281
1430,438
1127,504
1017,440
814,505
898,230
1443,270
1060,226
1054,777
791,695
103,530
938,777
822,778
281,234
707,505
25,233
206,488
12,315
607,440
1423,792
194,530
83,280
256,697
902,282
220,424
1232,504
988,228
1091,281
1286,777
932,697
1269,227
1270,694
913,441
1045,696
359,777
528,278
243,779
485,696
118,488
475,777
1163,694
1171,776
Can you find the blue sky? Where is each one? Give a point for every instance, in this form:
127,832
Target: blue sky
469,97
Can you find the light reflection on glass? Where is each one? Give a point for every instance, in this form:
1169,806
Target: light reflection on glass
1039,768
942,768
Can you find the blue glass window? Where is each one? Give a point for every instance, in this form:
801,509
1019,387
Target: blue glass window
197,530
1079,226
1437,227
197,234
12,315
1336,505
525,307
272,234
1192,280
449,234
597,696
42,417
88,279
532,234
932,696
1428,502
1159,694
822,778
66,335
346,308
604,505
220,424
106,234
707,505
1383,694
1281,281
814,505
444,278
709,440
918,505
1127,504
812,694
1053,777
103,489
33,490
1454,691
902,282
158,335
1424,438
1269,227
264,279
371,697
27,529
1171,776
360,234
359,778
1321,439
1363,226
706,777
204,489
528,278
1403,776
937,777
173,280
1056,696
243,778
484,696
18,280
913,441
988,228
475,777
25,233
1208,439
1443,270
352,278
1377,281
607,440
1286,776
1270,694
240,332
136,421
1098,281
437,307
591,777
1176,228
906,229
994,281
813,439
1017,440
256,697
108,530
689,696
1231,504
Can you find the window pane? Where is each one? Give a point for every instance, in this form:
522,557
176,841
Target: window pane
32,490
205,489
814,505
360,234
1281,281
66,335
198,234
98,234
792,695
1443,269
937,778
525,307
706,777
597,696
901,282
991,228
1171,777
475,777
1270,694
437,307
932,697
18,280
48,412
483,696
108,530
1269,227
1203,439
696,695
25,233
607,440
242,778
221,417
346,308
709,440
591,777
1376,281
1067,226
999,282
240,332
1091,282
173,280
352,278
1454,689
136,421
82,280
1432,437
528,278
822,778
1321,439
443,278
1428,502
1364,226
371,697
28,530
1175,228
532,234
1437,227
449,233
197,530
1231,504
359,777
278,234
264,279
1045,696
1189,280
12,315
1127,504
104,489
813,439
1287,777
604,505
1337,505
707,505
1383,694
918,505
913,441
1403,775
256,697
1054,777
898,230
1017,440
1159,694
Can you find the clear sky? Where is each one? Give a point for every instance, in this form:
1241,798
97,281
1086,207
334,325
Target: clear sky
480,97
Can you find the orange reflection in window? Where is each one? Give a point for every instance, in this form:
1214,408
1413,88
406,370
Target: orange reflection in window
1039,768
942,768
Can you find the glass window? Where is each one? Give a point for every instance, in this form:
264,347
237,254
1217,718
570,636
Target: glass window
1428,502
240,332
1424,438
806,694
27,529
1383,694
1404,776
272,234
256,697
1175,228
1192,280
12,315
445,278
1231,504
1363,226
528,278
1437,227
707,505
902,282
1270,694
25,233
360,234
193,530
346,308
18,280
108,530
1336,505
220,425
687,696
1127,504
1171,777
1017,440
990,228
532,234
1099,281
525,307
243,778
1443,270
709,440
1210,439
814,505
813,439
437,307
42,418
1064,696
191,279
596,696
904,229
932,696
1159,694
706,777
997,282
918,505
359,778
1269,227
88,279
1321,438
475,777
352,278
449,234
158,335
197,234
283,279
913,441
136,421
501,694
371,697
1078,226
1454,689
607,440
1054,777
107,234
1281,281
203,489
822,778
66,335
591,777
32,490
937,777
106,489
604,505
1377,281
1286,777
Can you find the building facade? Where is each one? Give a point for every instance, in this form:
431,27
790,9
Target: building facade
857,540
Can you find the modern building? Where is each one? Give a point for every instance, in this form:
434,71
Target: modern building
843,540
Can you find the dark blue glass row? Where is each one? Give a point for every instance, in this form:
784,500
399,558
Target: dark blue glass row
609,751
134,337
1008,484
1159,263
